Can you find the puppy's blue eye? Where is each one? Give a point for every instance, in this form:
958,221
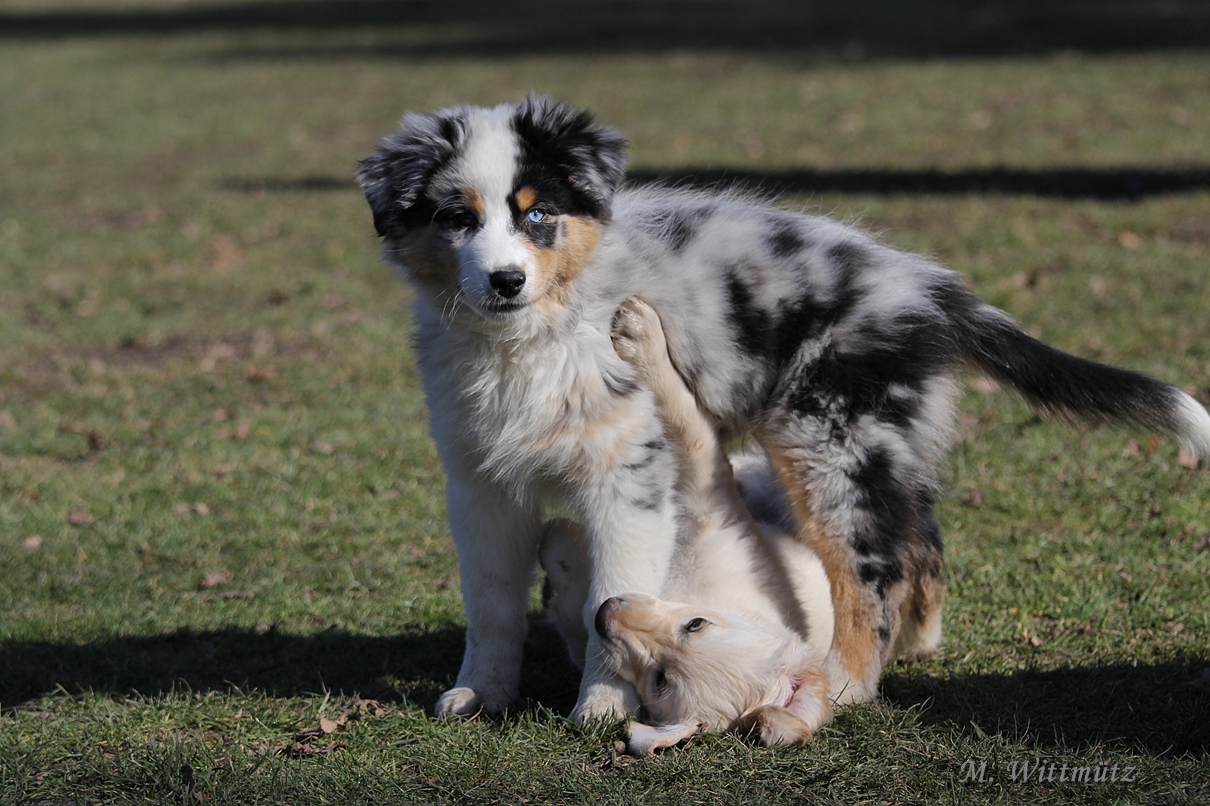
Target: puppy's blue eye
695,624
535,216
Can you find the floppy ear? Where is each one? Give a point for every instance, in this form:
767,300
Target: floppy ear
394,176
591,158
645,739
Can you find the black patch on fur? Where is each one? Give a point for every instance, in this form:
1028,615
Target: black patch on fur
750,322
680,227
785,240
544,234
849,257
567,158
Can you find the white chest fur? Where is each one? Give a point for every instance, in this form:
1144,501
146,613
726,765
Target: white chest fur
531,408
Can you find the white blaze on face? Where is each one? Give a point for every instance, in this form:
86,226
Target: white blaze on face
487,166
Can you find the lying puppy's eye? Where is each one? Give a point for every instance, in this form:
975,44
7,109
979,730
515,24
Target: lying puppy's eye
693,625
535,216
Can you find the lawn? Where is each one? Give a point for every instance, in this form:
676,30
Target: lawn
227,576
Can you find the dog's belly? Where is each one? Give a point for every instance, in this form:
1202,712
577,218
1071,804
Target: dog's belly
763,577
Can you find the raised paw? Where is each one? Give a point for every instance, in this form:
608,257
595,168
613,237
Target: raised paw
638,337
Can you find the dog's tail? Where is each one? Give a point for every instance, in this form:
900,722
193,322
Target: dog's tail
1064,384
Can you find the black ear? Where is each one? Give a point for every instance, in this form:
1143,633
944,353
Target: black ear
395,175
591,158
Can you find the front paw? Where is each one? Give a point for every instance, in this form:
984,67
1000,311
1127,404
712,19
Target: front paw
465,701
608,700
636,332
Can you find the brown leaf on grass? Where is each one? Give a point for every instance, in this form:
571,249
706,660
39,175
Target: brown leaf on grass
32,543
1175,627
1032,640
1129,240
79,517
1132,447
213,579
97,441
261,373
355,708
243,429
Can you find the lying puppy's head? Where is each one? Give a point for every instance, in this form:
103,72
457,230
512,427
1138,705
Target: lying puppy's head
498,208
699,669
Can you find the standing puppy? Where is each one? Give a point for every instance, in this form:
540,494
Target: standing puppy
835,351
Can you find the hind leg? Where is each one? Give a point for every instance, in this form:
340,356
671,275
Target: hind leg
873,532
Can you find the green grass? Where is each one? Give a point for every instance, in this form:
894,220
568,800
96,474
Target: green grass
221,515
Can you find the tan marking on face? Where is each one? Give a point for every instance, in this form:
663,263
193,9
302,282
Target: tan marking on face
474,201
558,266
525,198
856,608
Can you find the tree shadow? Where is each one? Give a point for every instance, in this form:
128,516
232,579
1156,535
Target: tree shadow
1125,184
1157,709
863,27
410,667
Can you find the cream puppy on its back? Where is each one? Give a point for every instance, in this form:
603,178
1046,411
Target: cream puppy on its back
738,634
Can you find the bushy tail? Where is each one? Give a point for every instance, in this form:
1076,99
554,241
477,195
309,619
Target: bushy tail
1075,387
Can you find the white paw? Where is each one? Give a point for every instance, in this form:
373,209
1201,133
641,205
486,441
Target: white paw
459,701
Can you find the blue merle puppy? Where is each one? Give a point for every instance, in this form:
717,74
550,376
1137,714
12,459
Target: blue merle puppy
836,352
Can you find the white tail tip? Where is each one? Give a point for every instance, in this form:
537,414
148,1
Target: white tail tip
1191,423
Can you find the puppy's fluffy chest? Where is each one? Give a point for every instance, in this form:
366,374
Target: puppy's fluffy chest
542,406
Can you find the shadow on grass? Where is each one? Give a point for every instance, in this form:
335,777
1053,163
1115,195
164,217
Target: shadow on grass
412,667
1150,709
853,29
1090,183
1153,709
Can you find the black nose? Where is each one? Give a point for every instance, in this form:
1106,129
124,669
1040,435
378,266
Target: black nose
507,283
605,613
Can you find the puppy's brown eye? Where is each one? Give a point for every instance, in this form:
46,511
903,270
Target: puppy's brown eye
457,218
696,624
